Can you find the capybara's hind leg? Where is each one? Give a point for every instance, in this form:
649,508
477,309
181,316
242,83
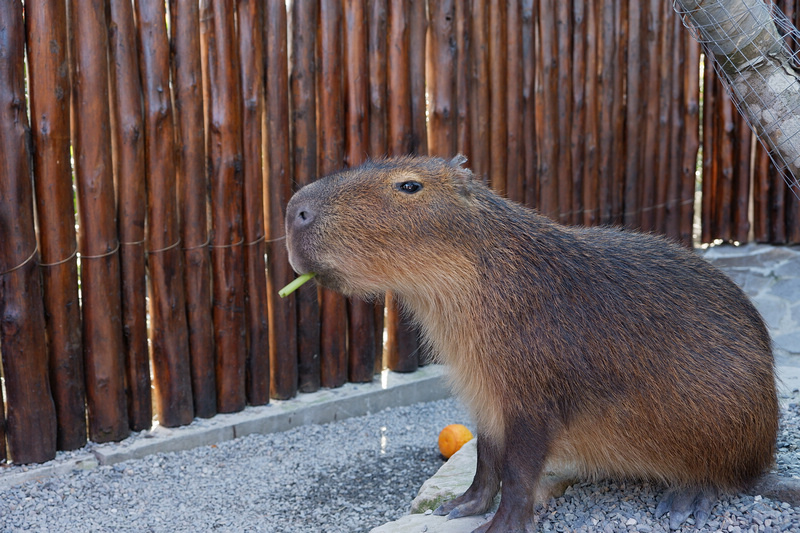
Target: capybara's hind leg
680,503
480,495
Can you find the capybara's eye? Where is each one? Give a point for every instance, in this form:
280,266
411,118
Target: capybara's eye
409,187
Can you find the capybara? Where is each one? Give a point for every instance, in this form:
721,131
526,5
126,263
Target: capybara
593,352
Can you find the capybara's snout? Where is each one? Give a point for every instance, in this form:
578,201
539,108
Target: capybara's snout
301,216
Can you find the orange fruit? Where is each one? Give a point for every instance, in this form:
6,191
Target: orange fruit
452,438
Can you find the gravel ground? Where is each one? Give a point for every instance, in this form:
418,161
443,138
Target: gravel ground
347,476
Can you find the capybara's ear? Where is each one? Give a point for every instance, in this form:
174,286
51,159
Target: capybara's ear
458,160
463,178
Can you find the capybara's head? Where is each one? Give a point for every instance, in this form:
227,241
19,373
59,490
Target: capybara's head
402,225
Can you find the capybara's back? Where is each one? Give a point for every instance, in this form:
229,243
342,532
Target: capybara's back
595,351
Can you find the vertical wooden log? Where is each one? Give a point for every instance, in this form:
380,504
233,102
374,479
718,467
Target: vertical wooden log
441,67
530,156
100,275
333,306
792,216
129,172
498,129
618,112
535,199
515,180
193,200
48,84
225,164
330,111
169,340
304,169
356,83
378,140
678,114
282,312
361,315
31,414
377,49
479,88
401,346
725,177
417,32
398,80
777,209
564,100
652,83
549,133
578,107
709,152
691,138
634,116
606,51
249,23
761,227
665,126
3,451
464,65
592,129
742,141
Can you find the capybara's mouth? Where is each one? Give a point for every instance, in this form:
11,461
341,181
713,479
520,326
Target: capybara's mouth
299,261
305,253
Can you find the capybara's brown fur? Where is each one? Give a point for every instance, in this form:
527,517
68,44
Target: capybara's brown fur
596,351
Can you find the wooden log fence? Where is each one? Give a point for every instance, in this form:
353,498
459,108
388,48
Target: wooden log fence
187,139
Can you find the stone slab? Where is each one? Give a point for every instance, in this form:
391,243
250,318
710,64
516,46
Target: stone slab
451,480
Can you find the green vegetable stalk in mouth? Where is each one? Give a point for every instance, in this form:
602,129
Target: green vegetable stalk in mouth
293,286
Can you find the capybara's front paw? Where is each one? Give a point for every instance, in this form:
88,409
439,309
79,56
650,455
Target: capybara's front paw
468,504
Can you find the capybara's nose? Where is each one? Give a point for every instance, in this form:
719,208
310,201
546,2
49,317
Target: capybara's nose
301,215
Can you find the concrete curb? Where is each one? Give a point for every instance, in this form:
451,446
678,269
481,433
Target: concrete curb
328,405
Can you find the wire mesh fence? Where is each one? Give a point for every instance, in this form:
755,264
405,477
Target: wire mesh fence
755,47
